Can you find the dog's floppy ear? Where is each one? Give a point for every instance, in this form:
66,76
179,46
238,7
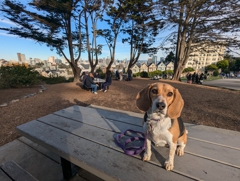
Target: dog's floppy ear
143,101
175,109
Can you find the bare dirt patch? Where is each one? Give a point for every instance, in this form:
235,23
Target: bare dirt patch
203,105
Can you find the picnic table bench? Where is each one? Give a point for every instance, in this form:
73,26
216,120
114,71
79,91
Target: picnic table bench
12,171
85,136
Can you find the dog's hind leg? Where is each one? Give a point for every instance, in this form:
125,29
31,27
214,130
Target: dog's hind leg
182,141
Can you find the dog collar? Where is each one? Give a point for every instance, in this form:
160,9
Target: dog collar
155,120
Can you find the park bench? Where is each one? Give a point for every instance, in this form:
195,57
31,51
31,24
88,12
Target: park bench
84,136
12,171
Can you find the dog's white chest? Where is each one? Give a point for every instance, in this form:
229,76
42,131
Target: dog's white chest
158,131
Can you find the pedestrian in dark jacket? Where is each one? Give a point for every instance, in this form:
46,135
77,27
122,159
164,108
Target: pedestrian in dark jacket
89,83
201,78
107,83
193,77
189,78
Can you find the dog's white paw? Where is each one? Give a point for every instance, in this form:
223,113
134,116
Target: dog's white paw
168,165
180,151
146,157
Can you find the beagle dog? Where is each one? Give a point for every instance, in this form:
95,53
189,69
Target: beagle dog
163,105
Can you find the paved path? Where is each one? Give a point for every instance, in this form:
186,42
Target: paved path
225,83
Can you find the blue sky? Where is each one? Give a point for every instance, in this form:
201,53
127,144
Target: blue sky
11,45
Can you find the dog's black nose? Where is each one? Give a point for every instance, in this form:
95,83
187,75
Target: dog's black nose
161,105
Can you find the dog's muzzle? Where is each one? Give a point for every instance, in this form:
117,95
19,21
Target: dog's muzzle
160,105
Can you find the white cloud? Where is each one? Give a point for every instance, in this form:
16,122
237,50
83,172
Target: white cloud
5,21
5,34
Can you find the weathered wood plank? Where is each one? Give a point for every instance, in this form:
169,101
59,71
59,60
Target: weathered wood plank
31,160
91,117
16,172
214,135
215,152
4,177
128,117
106,138
40,149
104,162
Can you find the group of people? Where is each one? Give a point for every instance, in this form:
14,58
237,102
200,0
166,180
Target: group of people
88,81
195,78
119,75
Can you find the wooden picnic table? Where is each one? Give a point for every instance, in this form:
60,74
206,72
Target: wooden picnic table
98,80
85,136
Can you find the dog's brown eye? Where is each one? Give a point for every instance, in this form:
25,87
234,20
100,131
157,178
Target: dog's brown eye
154,91
169,94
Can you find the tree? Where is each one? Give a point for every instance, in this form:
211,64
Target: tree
211,67
49,22
237,64
223,64
170,57
142,29
93,12
199,24
116,14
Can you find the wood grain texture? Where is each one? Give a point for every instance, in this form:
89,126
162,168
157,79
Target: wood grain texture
16,172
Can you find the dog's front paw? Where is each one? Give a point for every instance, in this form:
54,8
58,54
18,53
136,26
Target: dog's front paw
168,165
146,157
180,151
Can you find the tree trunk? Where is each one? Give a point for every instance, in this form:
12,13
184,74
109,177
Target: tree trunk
76,72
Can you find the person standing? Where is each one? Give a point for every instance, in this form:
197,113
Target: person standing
201,78
117,75
189,78
107,83
193,77
89,83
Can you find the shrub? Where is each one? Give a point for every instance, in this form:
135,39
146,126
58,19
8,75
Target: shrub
155,73
168,72
56,80
215,73
144,74
136,74
211,67
188,69
18,76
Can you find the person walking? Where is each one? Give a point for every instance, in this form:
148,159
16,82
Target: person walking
89,83
107,83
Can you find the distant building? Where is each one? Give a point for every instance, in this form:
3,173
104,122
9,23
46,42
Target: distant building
170,66
161,66
58,60
21,57
154,59
205,54
151,67
51,59
162,59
